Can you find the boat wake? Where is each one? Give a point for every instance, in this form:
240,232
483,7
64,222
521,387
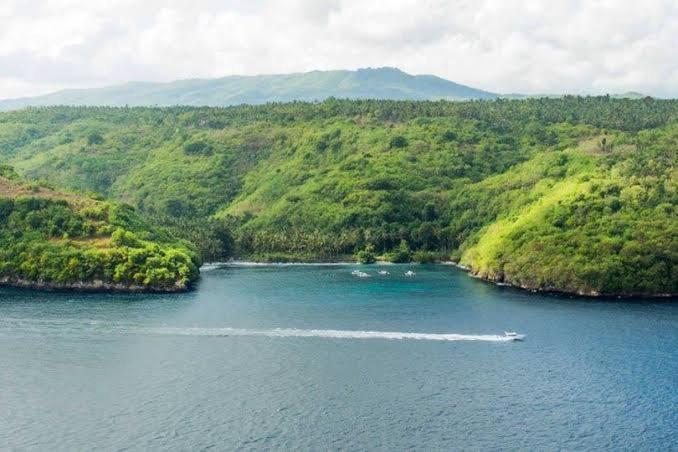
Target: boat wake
89,327
332,334
217,265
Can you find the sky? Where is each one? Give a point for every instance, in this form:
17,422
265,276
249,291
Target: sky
505,46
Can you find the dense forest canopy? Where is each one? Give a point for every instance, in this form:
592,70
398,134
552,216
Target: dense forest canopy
574,194
57,240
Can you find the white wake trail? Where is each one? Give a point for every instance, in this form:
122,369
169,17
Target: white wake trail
90,326
216,265
331,334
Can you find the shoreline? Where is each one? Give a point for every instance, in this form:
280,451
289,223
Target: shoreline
99,286
593,295
96,286
469,271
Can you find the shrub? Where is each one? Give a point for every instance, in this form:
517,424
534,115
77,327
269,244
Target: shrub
8,172
424,257
366,255
398,141
120,237
94,138
401,254
199,147
449,136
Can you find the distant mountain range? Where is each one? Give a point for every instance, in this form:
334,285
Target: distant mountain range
626,95
380,83
370,83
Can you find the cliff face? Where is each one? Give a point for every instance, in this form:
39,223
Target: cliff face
59,241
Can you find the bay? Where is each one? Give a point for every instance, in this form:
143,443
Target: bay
311,357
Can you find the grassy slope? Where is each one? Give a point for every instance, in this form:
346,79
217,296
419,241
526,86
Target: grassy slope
521,191
598,230
50,239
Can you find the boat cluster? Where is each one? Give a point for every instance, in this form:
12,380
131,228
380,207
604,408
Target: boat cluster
362,274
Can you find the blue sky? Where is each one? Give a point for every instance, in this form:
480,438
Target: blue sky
504,46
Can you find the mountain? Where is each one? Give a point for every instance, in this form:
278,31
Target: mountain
629,95
381,83
626,95
56,240
574,194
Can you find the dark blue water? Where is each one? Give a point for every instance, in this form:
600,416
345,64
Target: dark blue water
212,369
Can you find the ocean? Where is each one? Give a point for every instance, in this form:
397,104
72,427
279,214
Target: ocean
319,357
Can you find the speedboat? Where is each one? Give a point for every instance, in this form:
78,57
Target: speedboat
409,273
514,336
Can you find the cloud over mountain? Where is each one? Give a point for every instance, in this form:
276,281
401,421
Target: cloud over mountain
501,46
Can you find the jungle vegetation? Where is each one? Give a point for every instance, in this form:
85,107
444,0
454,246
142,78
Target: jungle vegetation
58,240
576,194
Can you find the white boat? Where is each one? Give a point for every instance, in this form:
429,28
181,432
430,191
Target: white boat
409,273
514,336
360,274
383,272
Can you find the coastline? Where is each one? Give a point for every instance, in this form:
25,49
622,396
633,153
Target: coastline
499,282
96,286
502,282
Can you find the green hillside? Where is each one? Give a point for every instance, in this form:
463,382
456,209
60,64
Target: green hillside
54,240
571,194
381,83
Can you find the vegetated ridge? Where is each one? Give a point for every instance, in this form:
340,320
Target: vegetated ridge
53,240
574,194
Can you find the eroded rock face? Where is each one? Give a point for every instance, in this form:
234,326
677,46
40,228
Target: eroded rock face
92,286
501,279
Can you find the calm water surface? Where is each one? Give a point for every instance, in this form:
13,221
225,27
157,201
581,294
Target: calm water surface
273,357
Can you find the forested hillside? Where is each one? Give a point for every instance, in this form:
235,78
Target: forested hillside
54,240
572,194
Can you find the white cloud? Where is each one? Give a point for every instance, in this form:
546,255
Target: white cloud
579,46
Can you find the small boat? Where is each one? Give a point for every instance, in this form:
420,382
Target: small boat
383,272
360,274
410,273
514,336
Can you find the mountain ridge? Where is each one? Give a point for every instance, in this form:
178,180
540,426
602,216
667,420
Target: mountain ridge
368,83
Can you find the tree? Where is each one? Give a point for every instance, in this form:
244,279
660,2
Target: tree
95,138
366,255
401,254
398,141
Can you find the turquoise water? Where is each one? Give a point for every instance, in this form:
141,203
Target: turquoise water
275,357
